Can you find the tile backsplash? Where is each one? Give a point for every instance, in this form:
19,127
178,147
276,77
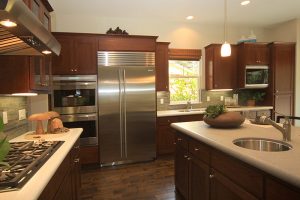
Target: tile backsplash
12,105
163,99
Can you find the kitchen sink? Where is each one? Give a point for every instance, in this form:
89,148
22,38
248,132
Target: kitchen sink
191,110
262,144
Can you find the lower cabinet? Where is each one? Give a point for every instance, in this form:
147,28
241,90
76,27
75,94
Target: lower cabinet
203,173
65,183
165,135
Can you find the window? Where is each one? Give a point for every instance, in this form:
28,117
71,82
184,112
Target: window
184,81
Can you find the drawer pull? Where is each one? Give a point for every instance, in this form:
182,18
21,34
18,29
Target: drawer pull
185,156
174,143
76,160
196,149
211,176
179,139
77,147
189,158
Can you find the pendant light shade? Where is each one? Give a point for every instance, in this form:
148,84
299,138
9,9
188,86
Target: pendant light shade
226,48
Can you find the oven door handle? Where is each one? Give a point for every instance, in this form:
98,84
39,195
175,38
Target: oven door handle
79,117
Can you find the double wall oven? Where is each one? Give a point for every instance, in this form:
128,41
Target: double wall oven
75,98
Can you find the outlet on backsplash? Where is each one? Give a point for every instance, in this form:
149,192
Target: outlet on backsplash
22,114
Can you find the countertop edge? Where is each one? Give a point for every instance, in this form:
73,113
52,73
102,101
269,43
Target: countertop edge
263,166
37,183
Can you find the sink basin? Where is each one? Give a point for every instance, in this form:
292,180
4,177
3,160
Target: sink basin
262,144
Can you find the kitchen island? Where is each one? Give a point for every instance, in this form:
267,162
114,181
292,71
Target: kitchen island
228,171
39,183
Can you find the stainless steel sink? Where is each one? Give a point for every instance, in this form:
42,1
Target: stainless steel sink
262,144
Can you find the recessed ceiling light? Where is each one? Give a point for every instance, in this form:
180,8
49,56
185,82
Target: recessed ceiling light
243,3
25,94
8,23
189,17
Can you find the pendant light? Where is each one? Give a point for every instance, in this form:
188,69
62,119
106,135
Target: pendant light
225,48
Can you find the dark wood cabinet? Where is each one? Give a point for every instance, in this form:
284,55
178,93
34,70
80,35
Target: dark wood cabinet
257,53
24,74
165,135
78,54
162,66
89,154
221,72
282,77
203,172
65,183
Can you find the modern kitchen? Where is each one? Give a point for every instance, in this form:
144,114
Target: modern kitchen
149,100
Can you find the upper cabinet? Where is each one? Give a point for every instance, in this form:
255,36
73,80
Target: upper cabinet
221,72
25,74
162,66
78,54
41,9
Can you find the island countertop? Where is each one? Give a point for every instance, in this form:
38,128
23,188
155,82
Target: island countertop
36,184
284,165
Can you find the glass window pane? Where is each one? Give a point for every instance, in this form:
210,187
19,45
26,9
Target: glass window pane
184,89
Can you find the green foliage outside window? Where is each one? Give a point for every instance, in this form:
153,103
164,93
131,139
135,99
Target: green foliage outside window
184,80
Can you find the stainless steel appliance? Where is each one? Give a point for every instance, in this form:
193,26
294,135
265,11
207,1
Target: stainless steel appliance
29,37
127,107
25,159
256,76
75,98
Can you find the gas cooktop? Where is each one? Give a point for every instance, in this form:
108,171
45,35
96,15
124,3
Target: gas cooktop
25,159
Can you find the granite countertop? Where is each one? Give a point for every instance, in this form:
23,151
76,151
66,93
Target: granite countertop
284,165
167,113
36,184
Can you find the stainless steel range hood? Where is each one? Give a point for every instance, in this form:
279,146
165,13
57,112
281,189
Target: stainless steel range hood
29,37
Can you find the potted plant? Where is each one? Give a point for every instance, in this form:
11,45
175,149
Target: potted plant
251,97
4,146
217,116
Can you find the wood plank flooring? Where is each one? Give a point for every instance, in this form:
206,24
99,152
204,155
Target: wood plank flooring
142,181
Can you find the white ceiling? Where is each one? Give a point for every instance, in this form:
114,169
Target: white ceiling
257,13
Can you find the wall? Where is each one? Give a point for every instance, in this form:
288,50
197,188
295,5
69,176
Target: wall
14,127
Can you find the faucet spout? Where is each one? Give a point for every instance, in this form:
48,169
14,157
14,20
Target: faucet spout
285,129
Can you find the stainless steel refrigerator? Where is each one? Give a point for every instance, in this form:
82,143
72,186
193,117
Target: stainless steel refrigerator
127,107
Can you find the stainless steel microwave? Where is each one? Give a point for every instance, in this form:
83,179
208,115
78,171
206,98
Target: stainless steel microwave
256,76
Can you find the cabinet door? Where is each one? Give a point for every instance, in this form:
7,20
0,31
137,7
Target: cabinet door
64,63
221,72
278,191
199,180
65,189
256,54
85,55
221,188
165,140
181,171
40,72
283,62
162,66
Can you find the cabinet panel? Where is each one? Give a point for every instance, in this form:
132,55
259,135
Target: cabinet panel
221,188
198,180
162,66
256,54
221,72
89,154
166,139
283,104
199,150
279,191
250,179
181,171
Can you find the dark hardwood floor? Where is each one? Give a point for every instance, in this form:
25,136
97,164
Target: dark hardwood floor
142,181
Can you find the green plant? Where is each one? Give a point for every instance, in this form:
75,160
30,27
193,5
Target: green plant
214,111
4,144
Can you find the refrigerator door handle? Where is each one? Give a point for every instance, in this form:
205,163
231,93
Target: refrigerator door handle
125,120
121,93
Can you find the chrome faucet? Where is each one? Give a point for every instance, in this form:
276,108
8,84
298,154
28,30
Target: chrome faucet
285,129
189,105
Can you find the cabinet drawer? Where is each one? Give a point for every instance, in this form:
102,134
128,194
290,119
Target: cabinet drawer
199,150
242,174
188,118
181,140
167,120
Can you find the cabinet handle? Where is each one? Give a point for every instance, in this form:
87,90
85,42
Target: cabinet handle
77,147
276,91
72,70
174,143
189,158
211,176
169,121
196,149
76,160
75,70
185,156
179,139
